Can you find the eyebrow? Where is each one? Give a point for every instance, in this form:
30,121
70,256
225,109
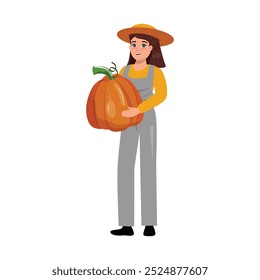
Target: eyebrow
142,42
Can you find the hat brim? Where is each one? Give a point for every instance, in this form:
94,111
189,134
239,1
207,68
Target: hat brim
163,37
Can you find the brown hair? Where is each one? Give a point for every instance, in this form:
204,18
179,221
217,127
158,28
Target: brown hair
155,58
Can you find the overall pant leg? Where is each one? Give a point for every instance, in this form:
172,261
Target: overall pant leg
126,164
147,130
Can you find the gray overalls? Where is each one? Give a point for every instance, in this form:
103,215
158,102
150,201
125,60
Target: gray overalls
146,130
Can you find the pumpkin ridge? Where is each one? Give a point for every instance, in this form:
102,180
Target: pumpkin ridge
99,104
90,108
133,99
116,95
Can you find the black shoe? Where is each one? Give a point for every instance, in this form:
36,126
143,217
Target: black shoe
123,231
149,231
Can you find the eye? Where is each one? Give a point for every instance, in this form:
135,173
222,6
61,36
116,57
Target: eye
133,45
144,46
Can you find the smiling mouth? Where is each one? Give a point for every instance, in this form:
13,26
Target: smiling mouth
138,54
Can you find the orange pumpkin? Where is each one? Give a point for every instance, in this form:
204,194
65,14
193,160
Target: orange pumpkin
108,98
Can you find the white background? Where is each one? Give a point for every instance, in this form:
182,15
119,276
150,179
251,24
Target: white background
58,174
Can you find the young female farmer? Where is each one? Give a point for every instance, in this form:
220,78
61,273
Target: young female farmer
143,70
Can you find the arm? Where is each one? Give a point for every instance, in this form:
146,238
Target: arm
160,92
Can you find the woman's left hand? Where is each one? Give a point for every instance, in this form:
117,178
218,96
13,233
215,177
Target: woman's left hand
131,112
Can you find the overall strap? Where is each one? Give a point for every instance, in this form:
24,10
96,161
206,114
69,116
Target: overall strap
150,73
126,70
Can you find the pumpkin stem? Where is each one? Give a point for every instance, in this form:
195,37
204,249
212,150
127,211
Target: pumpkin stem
105,71
102,70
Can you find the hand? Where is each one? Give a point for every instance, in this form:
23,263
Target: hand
131,112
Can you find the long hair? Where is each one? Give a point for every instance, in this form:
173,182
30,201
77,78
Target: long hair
155,58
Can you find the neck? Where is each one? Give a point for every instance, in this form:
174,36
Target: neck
140,65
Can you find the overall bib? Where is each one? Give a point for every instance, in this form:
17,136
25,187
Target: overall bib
146,131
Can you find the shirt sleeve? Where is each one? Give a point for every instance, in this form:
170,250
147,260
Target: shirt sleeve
122,70
159,92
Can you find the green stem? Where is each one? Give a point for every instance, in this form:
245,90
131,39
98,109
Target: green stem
102,70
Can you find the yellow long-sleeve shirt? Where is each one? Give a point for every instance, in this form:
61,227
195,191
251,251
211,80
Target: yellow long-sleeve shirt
159,86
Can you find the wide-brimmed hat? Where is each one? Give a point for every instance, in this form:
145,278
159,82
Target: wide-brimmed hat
163,37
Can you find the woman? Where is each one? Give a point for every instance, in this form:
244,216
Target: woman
143,70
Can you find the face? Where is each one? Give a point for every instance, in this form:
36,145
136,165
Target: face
140,49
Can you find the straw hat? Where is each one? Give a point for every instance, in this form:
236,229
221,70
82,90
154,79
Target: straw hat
164,38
